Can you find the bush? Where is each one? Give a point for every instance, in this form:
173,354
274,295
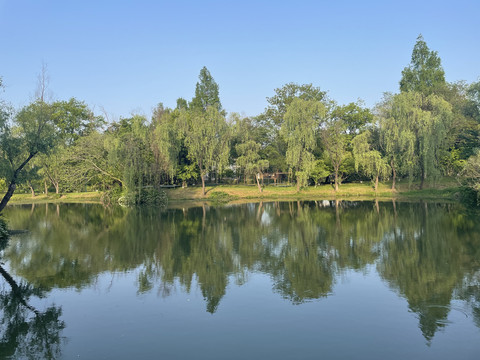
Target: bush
4,234
145,196
221,197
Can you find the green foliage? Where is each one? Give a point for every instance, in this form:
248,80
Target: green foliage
301,122
368,159
206,93
354,116
188,172
4,234
334,140
414,131
144,196
284,96
167,139
206,139
32,132
74,119
425,73
470,174
249,158
319,171
451,162
221,197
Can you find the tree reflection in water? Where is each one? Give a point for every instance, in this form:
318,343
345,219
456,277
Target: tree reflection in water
25,331
428,253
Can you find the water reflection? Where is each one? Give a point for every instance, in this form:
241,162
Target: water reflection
428,253
27,332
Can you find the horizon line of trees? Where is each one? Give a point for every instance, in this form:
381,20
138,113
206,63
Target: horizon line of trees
429,129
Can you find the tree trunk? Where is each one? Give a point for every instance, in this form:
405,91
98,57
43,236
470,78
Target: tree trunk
258,183
203,184
376,183
45,186
57,188
422,182
32,190
336,181
17,291
298,184
394,172
13,183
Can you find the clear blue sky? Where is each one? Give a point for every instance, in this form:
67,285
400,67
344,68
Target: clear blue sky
126,56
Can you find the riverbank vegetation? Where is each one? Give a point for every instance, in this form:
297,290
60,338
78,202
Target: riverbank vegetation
304,144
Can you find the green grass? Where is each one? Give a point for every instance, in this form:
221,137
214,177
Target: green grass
445,189
83,197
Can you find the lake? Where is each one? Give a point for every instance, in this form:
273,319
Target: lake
271,280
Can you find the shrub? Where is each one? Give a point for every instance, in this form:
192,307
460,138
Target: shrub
144,196
4,234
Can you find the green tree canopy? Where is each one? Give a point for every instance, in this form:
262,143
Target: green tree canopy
31,132
206,139
206,93
425,73
301,122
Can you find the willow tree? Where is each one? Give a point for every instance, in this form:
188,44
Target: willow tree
301,122
334,141
206,139
414,128
369,160
249,160
396,139
167,140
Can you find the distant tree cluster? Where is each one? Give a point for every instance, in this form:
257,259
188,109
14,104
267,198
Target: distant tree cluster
428,130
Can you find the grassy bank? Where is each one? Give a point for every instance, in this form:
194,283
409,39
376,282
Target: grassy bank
446,189
83,197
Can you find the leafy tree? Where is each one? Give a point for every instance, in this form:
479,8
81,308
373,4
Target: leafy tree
74,119
415,128
206,139
471,174
167,140
334,142
425,73
396,139
182,104
33,132
301,122
473,94
249,160
354,116
206,93
319,171
368,159
88,162
278,104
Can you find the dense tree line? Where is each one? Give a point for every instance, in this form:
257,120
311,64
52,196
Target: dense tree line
427,130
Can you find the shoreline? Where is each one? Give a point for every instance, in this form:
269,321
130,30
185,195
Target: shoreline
249,193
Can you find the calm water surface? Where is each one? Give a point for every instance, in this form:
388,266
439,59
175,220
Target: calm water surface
285,280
